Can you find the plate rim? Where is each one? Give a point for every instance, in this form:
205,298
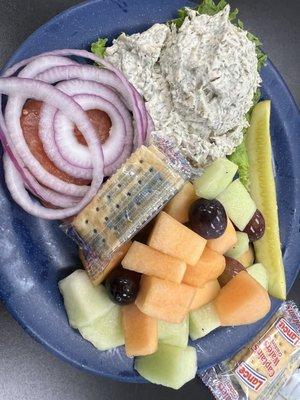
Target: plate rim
35,335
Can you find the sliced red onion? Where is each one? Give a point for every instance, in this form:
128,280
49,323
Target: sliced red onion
41,91
44,63
136,102
71,149
76,158
42,192
59,73
40,64
15,185
106,89
106,77
47,137
12,118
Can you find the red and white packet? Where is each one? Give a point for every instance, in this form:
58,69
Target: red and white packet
263,367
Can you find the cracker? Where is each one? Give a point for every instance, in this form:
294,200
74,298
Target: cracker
125,203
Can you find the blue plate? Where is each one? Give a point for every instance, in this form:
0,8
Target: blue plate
35,254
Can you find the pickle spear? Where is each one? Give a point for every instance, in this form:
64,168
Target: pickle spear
263,192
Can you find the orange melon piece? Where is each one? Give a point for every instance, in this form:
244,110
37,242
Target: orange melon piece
242,301
140,332
223,243
145,260
210,266
205,294
173,238
164,300
113,263
179,206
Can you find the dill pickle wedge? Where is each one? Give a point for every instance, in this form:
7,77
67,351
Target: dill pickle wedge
263,192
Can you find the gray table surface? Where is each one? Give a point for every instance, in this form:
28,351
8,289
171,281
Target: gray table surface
27,370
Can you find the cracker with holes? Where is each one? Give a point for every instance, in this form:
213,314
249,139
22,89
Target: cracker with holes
128,200
258,371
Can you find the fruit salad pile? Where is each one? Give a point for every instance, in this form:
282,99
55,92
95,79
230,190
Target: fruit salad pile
203,263
186,274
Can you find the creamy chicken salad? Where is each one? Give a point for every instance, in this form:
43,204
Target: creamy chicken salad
198,81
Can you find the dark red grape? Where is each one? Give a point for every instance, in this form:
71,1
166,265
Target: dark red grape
233,267
207,218
256,226
122,286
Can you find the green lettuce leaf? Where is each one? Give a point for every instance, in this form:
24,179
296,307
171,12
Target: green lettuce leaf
99,47
240,158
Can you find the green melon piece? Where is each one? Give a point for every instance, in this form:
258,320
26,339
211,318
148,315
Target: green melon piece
84,302
238,204
170,366
259,273
203,321
106,332
174,334
215,178
240,247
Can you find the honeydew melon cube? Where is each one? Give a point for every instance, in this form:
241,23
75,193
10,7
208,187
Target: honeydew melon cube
238,204
106,332
260,274
240,247
174,334
170,366
215,178
203,320
84,302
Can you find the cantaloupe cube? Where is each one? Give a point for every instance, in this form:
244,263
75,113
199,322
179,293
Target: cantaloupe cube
113,263
242,301
223,243
179,206
164,300
209,267
205,294
146,260
171,237
140,332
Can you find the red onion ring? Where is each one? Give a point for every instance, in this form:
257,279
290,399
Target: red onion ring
59,73
104,76
91,87
137,102
41,91
71,150
37,66
13,124
74,159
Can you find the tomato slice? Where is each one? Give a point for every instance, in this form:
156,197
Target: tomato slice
30,124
